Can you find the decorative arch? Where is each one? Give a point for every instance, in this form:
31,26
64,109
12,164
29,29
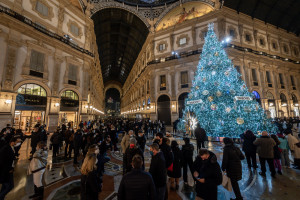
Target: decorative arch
78,4
283,97
72,89
164,109
181,103
43,85
294,98
112,4
114,84
162,95
269,95
168,16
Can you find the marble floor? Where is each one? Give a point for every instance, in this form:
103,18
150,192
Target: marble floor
62,179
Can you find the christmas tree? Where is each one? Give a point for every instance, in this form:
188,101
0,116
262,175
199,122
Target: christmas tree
219,98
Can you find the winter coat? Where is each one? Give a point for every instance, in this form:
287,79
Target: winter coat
125,143
231,163
38,162
209,170
187,152
177,164
277,153
77,139
265,146
200,134
284,144
248,146
127,158
168,154
158,169
35,138
137,185
7,154
141,141
90,186
56,138
292,144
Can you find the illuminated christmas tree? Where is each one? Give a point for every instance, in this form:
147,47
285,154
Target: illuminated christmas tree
219,98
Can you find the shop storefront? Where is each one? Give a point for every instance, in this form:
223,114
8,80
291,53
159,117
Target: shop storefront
31,103
69,107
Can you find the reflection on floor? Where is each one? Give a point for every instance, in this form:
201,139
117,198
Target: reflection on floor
62,179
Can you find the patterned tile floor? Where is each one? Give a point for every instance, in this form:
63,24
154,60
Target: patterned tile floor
62,180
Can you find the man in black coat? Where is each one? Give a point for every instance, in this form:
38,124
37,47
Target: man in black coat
165,149
77,144
158,171
208,175
7,154
187,155
137,184
141,140
201,137
35,138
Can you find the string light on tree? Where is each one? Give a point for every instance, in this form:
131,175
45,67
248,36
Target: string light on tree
219,98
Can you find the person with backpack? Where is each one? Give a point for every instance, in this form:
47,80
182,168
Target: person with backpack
232,165
208,175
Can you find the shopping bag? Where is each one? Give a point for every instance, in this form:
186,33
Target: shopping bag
226,183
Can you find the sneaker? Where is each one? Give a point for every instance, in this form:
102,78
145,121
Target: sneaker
262,174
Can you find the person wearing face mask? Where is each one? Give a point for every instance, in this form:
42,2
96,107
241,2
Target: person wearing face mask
7,154
90,183
208,175
125,140
141,140
37,167
158,171
131,151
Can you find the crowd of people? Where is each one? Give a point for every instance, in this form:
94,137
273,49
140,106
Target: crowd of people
90,143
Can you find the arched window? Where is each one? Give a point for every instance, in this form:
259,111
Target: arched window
294,98
256,96
283,98
32,89
270,96
69,94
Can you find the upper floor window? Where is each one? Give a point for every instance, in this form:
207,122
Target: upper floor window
37,64
184,79
42,8
148,87
269,80
248,37
32,89
163,82
69,94
72,76
281,81
296,52
74,29
162,47
293,83
261,41
182,41
254,77
274,45
232,32
285,48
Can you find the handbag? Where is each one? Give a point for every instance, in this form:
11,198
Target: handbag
170,168
226,182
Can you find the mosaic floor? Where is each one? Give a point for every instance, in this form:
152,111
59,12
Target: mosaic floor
61,179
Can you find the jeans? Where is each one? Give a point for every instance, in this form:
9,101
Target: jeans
270,163
160,192
236,188
251,157
187,162
285,160
7,187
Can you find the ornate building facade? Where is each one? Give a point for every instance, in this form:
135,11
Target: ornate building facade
50,59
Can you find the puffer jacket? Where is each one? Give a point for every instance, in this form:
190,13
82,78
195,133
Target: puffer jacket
265,146
38,162
231,163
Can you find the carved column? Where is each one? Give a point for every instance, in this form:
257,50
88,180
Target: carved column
241,31
61,17
194,35
57,65
10,65
221,28
173,91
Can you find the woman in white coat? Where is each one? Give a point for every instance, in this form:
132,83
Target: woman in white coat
37,167
293,141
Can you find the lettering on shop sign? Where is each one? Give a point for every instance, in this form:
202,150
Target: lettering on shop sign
194,102
242,98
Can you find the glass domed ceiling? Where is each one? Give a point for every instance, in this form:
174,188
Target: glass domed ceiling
147,3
